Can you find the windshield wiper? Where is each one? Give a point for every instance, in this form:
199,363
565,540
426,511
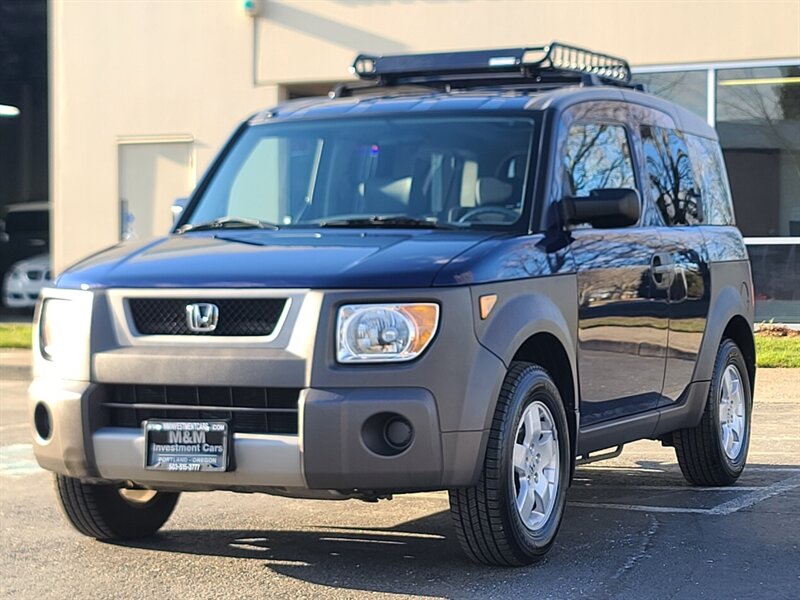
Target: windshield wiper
385,221
227,223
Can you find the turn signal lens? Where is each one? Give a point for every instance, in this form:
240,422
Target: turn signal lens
385,332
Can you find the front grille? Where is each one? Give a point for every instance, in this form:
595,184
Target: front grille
237,317
249,409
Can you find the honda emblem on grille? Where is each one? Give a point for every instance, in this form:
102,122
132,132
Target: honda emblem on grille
202,317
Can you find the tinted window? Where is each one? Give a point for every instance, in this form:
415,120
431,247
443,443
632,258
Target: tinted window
670,175
709,171
597,157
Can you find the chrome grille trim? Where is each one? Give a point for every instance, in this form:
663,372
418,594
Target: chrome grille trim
127,334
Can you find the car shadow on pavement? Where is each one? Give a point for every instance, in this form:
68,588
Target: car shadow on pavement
418,557
422,556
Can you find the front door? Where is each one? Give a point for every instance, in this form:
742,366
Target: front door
622,302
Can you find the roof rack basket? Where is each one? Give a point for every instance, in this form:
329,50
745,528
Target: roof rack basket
555,63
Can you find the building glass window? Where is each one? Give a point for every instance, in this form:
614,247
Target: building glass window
758,120
686,88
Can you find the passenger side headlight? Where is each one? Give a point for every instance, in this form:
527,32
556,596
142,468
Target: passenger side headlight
385,332
60,328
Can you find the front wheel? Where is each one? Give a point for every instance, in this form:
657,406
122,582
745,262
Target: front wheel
512,515
110,513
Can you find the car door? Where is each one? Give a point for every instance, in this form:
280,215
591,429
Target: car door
672,187
622,303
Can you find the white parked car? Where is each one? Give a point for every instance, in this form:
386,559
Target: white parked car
24,280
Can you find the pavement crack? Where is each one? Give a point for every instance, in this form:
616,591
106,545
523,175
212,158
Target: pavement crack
642,550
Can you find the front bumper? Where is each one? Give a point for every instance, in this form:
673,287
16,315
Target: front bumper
329,452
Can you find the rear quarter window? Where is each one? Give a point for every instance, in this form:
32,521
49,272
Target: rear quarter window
709,168
671,180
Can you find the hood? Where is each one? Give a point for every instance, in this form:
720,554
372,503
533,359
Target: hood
352,258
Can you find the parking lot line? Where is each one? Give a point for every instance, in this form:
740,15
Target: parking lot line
754,498
673,488
641,507
724,509
14,426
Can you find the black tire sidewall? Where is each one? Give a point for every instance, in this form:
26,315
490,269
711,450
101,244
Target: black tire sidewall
534,384
729,354
131,520
98,510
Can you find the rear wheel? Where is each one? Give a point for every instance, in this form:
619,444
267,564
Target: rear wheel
110,513
715,452
512,515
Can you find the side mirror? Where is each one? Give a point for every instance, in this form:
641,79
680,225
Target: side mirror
178,207
603,208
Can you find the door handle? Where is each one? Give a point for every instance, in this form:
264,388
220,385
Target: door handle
662,269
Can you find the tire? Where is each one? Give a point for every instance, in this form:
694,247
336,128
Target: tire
103,512
489,526
708,455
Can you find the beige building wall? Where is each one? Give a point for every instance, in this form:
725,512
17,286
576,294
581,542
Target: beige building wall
140,69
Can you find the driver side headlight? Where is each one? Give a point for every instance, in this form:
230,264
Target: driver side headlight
385,332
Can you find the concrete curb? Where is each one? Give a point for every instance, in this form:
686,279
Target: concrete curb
15,365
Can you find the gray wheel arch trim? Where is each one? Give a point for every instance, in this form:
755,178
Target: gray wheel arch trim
728,301
522,313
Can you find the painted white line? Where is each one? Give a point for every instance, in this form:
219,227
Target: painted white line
773,469
15,426
634,469
17,460
641,507
724,509
749,500
672,488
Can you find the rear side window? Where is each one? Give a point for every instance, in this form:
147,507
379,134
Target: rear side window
709,169
597,157
671,179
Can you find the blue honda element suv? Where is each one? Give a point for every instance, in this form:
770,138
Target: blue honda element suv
465,272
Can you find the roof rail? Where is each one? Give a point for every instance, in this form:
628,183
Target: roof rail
551,64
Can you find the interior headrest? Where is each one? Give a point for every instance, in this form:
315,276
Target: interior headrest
489,191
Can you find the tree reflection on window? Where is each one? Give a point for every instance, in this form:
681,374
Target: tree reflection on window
669,170
597,157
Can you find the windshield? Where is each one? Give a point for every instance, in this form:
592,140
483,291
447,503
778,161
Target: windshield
396,172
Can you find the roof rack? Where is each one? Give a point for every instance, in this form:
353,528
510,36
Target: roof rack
553,64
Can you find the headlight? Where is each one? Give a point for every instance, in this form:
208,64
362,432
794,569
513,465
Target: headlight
385,332
60,328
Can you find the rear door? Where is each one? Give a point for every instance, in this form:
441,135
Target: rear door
673,186
622,311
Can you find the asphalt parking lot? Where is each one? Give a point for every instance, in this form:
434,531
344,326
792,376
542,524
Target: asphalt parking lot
633,529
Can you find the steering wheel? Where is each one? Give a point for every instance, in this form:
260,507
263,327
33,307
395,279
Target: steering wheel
486,210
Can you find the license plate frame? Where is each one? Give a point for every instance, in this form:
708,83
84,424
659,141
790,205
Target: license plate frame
187,445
